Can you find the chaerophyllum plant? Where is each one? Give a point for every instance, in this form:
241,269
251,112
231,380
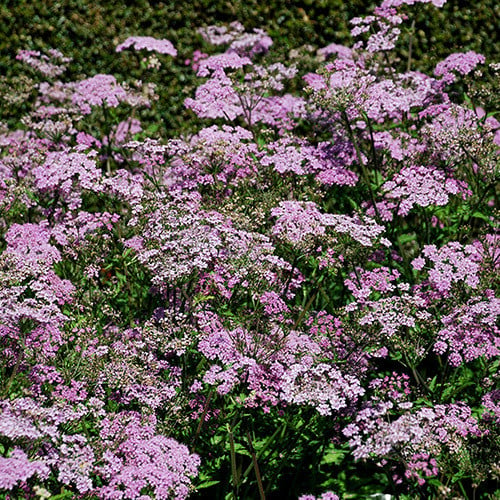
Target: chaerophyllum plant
296,300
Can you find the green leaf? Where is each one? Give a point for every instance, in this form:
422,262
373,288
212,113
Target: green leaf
207,484
479,215
333,456
202,298
241,450
432,384
64,494
406,238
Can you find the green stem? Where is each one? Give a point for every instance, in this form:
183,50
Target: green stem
266,445
256,468
13,375
234,472
304,311
202,418
359,156
410,45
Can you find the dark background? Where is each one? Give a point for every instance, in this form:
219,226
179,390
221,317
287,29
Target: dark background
89,31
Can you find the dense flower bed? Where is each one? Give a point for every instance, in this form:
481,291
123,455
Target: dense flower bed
298,300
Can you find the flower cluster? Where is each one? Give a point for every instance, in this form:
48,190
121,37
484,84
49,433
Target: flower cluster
303,284
462,63
412,433
452,263
99,90
422,186
51,65
470,331
143,459
238,40
148,43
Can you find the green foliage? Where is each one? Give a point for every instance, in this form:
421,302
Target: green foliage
246,450
89,32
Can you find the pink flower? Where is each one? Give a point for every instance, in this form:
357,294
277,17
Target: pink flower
148,43
462,63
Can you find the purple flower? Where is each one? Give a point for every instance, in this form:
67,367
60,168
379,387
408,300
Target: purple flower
461,62
321,386
98,91
16,468
67,174
328,495
341,51
221,62
453,263
471,331
51,65
238,40
216,98
148,43
398,3
422,186
139,458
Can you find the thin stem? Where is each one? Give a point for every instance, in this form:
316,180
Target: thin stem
306,308
234,471
268,443
360,160
202,418
256,468
13,375
410,45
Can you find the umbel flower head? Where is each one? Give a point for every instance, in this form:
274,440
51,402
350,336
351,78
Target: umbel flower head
148,43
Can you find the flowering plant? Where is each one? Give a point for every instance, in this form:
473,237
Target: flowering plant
306,284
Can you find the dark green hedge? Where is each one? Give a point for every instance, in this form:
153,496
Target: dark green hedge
89,31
